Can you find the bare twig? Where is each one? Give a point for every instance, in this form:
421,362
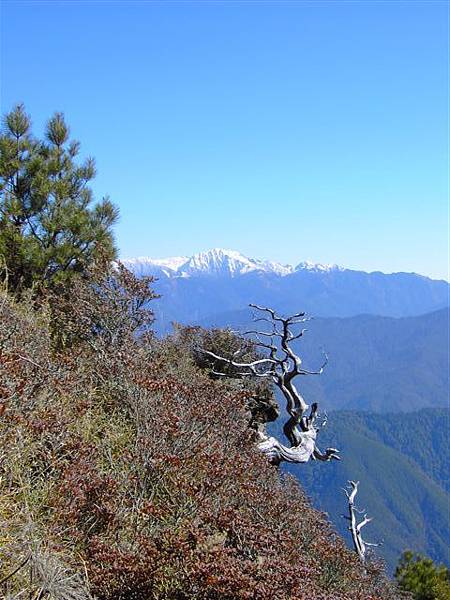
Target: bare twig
22,564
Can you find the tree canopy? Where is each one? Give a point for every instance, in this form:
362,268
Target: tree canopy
50,227
422,577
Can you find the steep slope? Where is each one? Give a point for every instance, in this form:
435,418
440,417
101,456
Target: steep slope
127,473
402,464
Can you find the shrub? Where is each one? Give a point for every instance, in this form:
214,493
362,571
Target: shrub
126,464
422,577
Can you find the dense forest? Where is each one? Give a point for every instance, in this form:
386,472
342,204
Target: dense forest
128,471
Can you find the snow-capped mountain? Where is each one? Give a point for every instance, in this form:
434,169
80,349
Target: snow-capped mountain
143,265
307,265
211,286
217,263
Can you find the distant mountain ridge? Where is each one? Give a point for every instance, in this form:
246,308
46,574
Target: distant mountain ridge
213,283
218,262
375,363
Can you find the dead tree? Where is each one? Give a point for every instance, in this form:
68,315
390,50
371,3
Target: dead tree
359,544
282,365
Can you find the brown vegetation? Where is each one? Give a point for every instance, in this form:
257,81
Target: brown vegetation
128,473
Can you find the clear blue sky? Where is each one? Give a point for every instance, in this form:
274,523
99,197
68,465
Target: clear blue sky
286,130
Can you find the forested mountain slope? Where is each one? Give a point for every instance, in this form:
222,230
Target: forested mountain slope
402,463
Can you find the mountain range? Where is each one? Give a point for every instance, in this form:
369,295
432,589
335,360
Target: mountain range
214,283
392,358
217,263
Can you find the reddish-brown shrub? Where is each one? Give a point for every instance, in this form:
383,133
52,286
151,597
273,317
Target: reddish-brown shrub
141,471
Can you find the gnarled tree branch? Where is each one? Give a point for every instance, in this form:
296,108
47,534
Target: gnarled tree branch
282,365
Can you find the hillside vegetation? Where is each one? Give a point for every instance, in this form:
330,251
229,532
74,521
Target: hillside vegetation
126,472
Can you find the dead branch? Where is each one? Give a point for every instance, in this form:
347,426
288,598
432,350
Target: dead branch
282,365
359,544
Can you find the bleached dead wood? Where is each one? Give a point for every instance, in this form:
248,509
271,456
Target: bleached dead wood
281,365
359,544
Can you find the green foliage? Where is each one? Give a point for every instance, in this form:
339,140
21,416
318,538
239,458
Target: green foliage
49,227
422,577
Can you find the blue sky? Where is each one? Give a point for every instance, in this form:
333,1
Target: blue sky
286,130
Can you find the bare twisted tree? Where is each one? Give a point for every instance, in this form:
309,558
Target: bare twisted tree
282,365
359,544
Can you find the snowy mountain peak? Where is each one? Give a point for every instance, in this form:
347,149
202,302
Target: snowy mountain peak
143,265
308,265
217,262
229,263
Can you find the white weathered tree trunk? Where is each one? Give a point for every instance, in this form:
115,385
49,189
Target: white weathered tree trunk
359,544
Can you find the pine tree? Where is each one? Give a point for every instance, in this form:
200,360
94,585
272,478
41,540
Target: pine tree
50,229
422,577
